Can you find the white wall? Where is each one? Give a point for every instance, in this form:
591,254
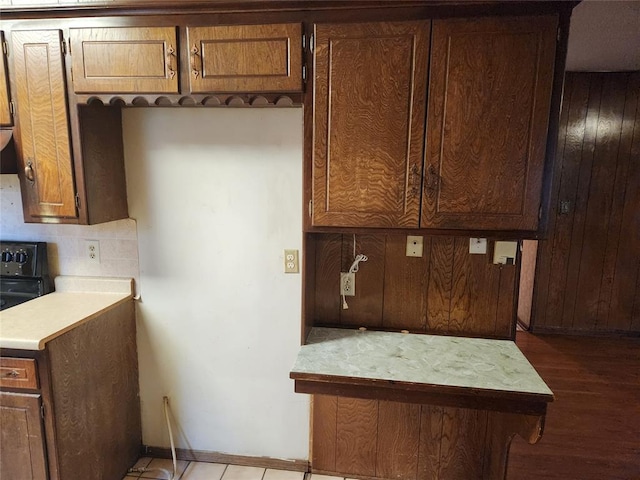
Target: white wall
217,196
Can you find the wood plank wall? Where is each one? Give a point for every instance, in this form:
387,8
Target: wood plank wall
403,441
588,273
445,291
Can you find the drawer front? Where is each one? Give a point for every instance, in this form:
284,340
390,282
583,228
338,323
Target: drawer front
124,60
245,58
18,373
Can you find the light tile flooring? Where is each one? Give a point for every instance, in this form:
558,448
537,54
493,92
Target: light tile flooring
159,468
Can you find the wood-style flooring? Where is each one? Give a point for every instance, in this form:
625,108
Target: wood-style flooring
592,428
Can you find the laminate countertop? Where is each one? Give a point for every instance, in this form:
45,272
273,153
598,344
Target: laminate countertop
417,367
76,300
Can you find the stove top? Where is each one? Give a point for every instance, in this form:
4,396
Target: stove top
24,272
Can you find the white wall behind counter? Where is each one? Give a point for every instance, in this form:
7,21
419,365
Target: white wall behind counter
217,197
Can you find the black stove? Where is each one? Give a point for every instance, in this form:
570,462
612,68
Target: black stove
24,272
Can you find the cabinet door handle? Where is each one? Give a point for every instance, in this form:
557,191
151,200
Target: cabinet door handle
12,374
433,179
414,181
196,59
28,171
170,57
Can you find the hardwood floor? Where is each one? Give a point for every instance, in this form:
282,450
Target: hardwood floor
592,428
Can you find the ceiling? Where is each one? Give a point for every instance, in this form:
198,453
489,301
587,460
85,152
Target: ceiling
605,36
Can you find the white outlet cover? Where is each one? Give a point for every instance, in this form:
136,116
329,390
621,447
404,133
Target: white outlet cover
92,251
415,246
478,246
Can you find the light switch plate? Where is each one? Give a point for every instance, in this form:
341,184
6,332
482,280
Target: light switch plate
415,246
291,264
504,253
478,245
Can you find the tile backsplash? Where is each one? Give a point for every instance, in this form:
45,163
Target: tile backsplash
66,243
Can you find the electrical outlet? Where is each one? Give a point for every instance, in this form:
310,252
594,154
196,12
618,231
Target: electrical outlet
92,250
348,284
291,264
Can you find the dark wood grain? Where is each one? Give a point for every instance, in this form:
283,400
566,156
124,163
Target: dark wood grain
369,81
463,440
324,434
22,455
245,58
365,308
42,122
440,284
592,430
496,76
94,378
103,164
398,434
405,285
430,441
587,279
447,290
356,436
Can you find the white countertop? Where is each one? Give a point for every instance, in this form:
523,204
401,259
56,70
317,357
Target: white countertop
475,363
30,325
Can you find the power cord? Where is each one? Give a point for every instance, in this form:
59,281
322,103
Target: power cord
170,476
353,269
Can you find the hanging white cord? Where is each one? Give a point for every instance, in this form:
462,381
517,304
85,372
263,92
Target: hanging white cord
354,268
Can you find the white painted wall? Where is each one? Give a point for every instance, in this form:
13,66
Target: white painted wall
217,197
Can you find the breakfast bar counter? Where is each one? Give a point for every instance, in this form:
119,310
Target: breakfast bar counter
461,400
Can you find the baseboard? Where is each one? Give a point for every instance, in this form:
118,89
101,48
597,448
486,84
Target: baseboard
216,457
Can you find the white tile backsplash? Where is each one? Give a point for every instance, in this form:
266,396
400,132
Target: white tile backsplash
118,240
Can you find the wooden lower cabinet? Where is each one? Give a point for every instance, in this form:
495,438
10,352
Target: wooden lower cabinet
22,455
382,439
82,419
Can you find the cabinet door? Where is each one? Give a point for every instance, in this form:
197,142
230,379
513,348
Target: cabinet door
44,153
22,454
246,58
489,96
124,60
5,112
369,112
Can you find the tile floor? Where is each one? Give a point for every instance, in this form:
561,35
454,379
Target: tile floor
215,471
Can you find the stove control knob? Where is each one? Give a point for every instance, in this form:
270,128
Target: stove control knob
21,258
6,257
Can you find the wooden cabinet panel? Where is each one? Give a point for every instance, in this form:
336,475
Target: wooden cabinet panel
124,60
489,98
18,373
22,454
369,113
246,58
5,112
44,152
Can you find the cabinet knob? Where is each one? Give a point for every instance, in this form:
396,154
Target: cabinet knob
12,374
196,61
29,172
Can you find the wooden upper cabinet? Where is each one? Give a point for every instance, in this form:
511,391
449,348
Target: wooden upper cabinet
44,153
369,114
489,98
124,60
5,112
245,58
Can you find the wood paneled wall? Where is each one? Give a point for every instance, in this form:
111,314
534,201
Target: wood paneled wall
445,291
403,441
588,273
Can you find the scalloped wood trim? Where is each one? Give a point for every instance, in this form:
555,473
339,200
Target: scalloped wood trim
228,100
